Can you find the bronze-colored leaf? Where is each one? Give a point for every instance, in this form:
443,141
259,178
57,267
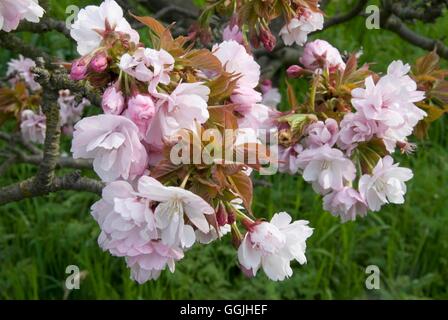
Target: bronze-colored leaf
202,59
242,185
157,27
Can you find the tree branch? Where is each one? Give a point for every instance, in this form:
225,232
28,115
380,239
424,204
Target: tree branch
46,24
15,44
355,11
60,80
62,162
30,188
394,24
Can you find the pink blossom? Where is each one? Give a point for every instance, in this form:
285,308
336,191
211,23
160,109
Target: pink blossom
236,60
70,110
273,245
141,110
13,11
93,22
320,54
385,185
346,203
184,108
320,133
148,65
288,158
233,33
174,203
297,29
127,223
258,116
33,126
21,69
149,265
390,102
112,142
212,235
355,128
326,166
113,101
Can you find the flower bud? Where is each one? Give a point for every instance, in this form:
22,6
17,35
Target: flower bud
78,70
221,215
267,38
99,62
113,101
294,71
266,85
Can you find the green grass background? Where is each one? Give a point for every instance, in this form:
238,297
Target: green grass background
40,237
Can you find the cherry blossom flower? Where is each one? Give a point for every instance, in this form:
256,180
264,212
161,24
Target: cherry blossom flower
174,203
326,166
390,102
70,110
113,101
93,23
320,133
320,54
233,33
184,108
21,69
346,203
148,65
141,110
287,158
127,222
236,60
385,185
33,126
355,128
297,29
258,116
13,11
273,245
149,265
212,235
112,142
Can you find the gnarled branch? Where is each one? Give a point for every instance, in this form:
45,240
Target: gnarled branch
396,25
31,188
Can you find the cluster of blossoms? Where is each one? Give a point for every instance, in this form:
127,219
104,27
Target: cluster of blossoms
32,120
302,18
153,210
14,11
342,141
162,103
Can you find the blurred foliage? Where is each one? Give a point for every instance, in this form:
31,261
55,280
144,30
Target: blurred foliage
40,237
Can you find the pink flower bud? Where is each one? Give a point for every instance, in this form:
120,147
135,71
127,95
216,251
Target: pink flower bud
113,101
78,70
221,216
266,85
294,71
99,62
267,38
